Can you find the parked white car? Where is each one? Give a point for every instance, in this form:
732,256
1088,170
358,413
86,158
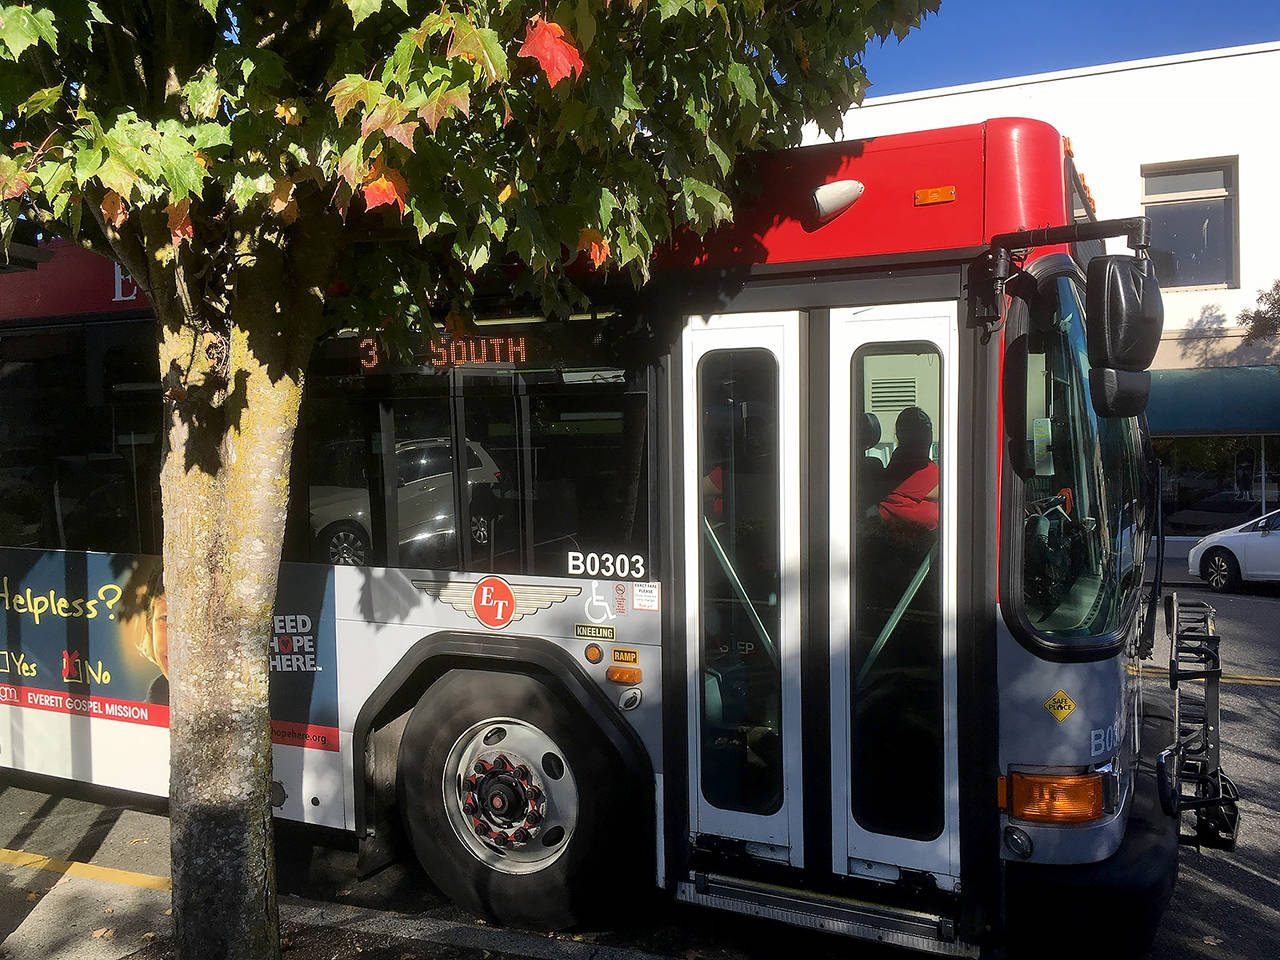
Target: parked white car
1250,551
340,515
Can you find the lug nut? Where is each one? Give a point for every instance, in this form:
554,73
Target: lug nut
532,818
480,766
482,830
521,835
501,839
534,794
469,805
522,772
501,762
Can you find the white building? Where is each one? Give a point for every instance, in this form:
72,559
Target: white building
1192,142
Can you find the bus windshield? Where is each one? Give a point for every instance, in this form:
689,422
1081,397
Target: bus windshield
1083,520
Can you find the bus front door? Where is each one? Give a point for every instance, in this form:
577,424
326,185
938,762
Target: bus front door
891,581
741,463
864,396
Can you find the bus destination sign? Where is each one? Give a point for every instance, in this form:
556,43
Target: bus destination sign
469,351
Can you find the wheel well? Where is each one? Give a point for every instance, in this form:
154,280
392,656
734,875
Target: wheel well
380,724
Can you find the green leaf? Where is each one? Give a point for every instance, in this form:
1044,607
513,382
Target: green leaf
740,77
442,102
586,25
204,95
630,96
54,175
608,203
721,158
714,205
434,25
182,172
353,90
479,45
208,135
116,176
21,28
245,189
351,164
363,9
42,101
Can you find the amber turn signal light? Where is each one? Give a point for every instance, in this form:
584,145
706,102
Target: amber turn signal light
932,195
1055,798
593,653
627,675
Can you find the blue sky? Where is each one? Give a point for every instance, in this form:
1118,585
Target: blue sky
973,40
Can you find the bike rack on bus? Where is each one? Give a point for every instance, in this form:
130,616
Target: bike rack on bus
1188,771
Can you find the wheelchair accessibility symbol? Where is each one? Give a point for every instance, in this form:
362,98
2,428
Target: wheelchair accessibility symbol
598,608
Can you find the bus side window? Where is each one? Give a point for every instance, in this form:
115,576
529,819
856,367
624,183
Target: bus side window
81,427
896,602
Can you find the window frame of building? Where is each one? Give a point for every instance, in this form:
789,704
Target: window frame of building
1229,192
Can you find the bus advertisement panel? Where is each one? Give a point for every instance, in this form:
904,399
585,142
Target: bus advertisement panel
86,635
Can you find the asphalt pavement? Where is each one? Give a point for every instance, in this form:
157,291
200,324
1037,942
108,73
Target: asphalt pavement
83,876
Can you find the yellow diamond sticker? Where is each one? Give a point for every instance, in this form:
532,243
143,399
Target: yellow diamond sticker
1060,705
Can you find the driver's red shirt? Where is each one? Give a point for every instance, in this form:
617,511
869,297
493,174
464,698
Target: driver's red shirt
909,502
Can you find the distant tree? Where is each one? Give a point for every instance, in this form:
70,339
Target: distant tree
238,157
1263,321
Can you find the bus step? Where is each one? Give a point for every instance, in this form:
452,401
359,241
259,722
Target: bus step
1190,776
913,929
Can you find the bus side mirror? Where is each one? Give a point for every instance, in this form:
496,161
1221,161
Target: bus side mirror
1124,320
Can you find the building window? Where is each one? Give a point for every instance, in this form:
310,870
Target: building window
1216,483
1192,207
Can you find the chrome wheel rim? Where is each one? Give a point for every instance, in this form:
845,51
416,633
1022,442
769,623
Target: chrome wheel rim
480,529
346,548
1218,571
510,796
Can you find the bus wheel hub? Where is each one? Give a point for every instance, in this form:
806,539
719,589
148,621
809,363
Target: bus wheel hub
510,795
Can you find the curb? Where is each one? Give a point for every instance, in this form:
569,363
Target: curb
313,913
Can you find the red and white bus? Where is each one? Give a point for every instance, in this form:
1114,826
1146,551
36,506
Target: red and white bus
805,583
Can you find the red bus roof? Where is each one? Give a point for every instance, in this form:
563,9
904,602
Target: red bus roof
986,178
977,181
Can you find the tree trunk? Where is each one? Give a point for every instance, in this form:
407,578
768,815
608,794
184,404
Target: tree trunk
225,489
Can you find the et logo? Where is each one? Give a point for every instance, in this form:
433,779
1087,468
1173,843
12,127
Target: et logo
493,602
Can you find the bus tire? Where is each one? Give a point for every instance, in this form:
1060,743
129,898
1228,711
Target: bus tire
1221,571
507,742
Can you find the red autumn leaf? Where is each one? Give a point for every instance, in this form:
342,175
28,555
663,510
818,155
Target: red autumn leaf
282,203
403,133
113,209
179,221
388,112
15,187
596,246
384,186
545,42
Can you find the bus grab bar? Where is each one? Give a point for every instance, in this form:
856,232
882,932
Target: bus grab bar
892,623
734,582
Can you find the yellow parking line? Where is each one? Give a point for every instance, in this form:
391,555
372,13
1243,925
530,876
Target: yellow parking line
91,871
1244,678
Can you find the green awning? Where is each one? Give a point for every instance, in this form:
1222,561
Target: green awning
1213,400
